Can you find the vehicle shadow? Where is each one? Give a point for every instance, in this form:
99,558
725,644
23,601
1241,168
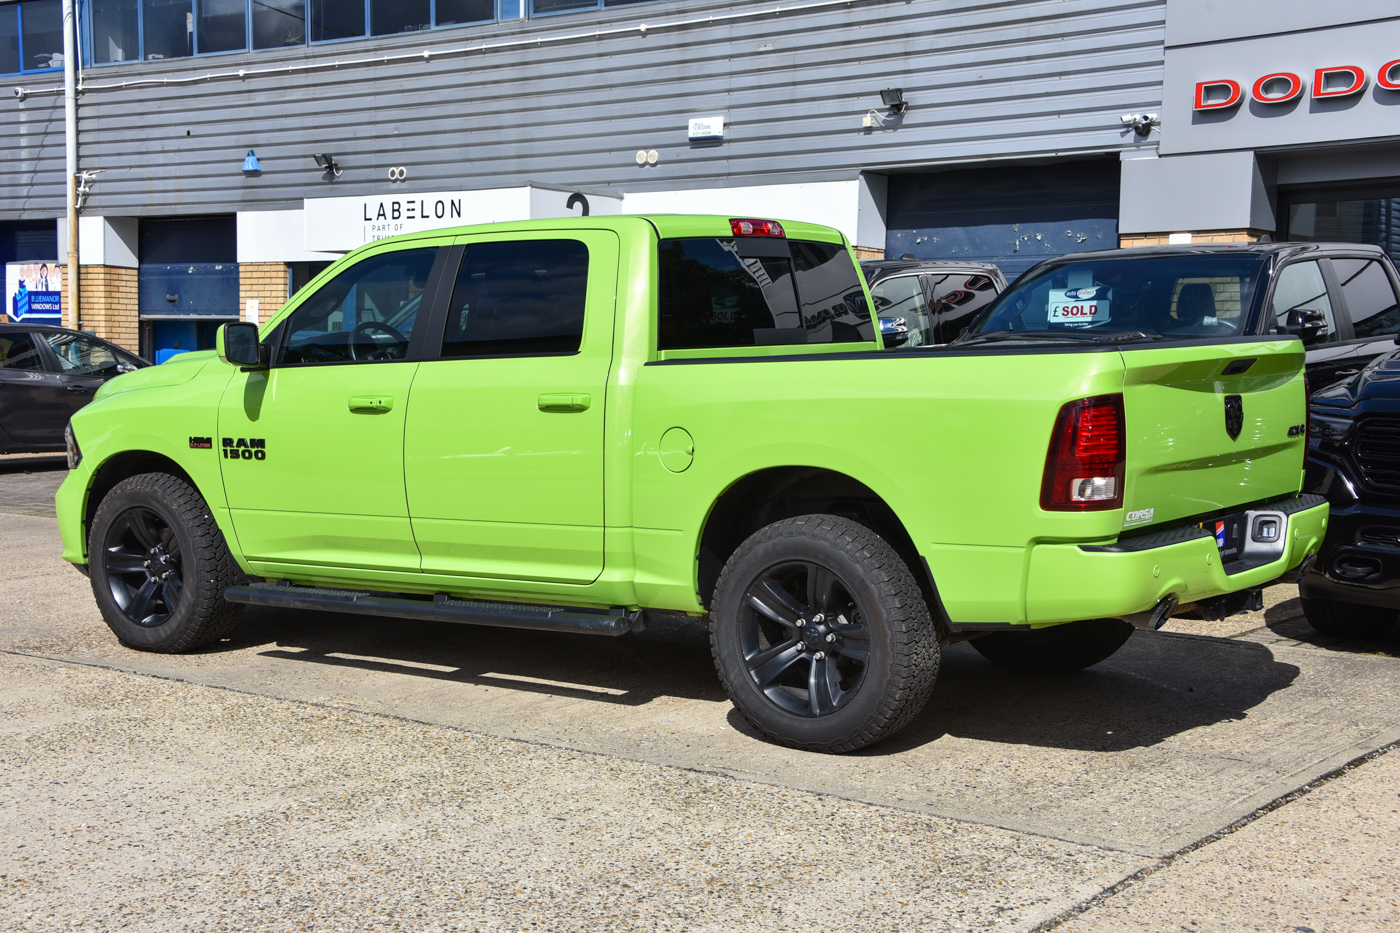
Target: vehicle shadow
44,464
1287,621
671,658
1157,686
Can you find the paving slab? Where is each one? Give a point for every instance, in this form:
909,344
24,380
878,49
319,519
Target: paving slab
130,802
1326,862
1174,737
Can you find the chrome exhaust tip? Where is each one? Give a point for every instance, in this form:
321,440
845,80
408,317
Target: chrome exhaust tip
1305,566
1156,617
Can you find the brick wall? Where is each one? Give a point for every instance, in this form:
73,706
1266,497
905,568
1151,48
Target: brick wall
107,304
265,283
869,252
1205,236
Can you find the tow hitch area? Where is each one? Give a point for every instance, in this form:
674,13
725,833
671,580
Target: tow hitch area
1222,607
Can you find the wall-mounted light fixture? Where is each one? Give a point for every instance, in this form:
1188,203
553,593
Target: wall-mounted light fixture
893,98
327,162
1141,123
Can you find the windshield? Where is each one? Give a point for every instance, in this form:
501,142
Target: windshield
1152,297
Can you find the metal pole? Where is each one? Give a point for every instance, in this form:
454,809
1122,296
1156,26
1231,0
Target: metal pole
70,128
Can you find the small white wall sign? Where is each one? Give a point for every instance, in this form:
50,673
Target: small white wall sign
707,127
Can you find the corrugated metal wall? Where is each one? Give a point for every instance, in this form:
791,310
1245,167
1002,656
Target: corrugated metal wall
1010,79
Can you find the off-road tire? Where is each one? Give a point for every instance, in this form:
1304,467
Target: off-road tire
200,615
882,600
1334,617
1060,649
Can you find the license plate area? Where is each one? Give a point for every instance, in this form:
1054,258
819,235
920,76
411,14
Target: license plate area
1249,539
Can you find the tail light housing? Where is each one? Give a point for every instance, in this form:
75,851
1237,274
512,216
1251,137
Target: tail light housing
1084,467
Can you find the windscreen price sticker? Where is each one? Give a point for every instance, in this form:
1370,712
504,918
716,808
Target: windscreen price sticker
1082,306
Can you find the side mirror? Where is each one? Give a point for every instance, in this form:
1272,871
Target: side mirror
894,332
237,343
1307,324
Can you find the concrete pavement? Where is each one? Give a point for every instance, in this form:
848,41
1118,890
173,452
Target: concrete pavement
1092,779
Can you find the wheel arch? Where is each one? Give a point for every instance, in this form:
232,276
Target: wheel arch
122,466
776,493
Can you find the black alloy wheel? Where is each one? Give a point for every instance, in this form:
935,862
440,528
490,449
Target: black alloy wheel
141,561
159,565
804,638
821,635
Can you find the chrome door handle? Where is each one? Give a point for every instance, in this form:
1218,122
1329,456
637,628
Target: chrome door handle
564,401
371,404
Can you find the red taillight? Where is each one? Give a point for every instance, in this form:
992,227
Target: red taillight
743,227
1084,468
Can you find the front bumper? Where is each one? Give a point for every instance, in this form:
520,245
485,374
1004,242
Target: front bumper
1068,582
70,503
1360,560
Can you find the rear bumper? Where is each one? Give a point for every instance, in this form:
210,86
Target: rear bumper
1068,582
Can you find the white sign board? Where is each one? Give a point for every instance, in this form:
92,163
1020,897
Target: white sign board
338,225
707,127
1078,306
33,292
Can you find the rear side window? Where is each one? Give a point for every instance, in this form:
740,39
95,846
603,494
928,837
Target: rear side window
957,300
716,292
17,351
1370,297
518,298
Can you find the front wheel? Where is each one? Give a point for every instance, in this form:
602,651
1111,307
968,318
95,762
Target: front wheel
1059,649
159,566
821,636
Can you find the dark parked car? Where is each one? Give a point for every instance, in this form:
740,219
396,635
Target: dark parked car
1340,299
1353,588
921,303
46,374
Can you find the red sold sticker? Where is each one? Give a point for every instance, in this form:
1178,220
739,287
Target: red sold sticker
1068,307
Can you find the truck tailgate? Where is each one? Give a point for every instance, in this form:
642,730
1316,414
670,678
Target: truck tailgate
1211,428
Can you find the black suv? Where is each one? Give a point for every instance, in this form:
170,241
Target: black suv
1353,588
921,303
46,374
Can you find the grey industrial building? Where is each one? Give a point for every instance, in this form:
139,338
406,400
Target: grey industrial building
230,148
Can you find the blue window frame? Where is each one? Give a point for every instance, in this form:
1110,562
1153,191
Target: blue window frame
117,31
31,36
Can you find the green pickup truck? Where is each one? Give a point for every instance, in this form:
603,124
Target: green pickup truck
572,425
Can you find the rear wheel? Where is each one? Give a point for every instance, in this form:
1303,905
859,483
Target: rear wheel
1334,617
159,566
1059,649
821,636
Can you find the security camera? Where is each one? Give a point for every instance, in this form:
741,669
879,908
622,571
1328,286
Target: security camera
21,93
1128,119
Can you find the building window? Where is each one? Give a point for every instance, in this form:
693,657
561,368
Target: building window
279,24
116,31
222,25
167,29
337,19
31,36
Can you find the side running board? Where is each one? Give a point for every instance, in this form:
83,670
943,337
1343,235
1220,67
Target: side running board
439,608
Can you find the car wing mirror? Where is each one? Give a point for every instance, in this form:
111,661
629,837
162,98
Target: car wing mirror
1307,324
237,344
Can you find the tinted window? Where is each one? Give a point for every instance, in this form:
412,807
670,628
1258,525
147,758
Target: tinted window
79,356
1369,295
518,298
1300,287
17,351
830,293
957,300
902,299
744,293
167,28
336,19
366,313
279,23
1177,297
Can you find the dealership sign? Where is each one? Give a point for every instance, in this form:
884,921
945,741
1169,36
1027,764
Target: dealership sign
34,292
338,225
1282,87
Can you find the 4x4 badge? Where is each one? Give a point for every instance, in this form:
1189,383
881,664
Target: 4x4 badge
1234,416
